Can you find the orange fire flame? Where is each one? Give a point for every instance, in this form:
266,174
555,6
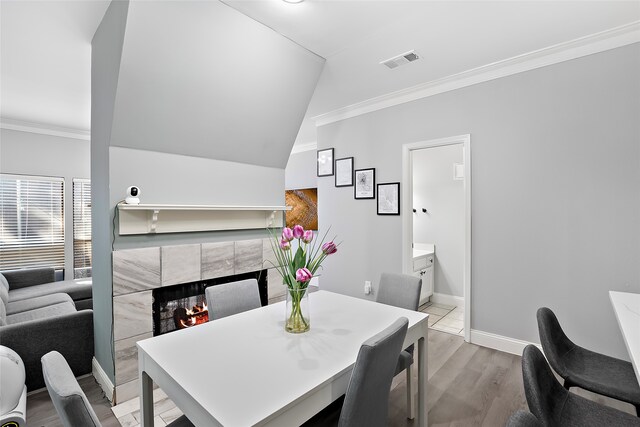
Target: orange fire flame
196,316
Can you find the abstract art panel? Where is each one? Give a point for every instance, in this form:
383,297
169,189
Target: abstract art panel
304,210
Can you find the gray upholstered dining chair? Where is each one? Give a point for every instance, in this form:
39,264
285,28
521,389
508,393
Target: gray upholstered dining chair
584,368
70,402
553,405
366,402
523,419
402,290
232,298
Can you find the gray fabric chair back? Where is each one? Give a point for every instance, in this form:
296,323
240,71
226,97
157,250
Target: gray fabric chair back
545,396
68,398
367,399
523,419
553,339
399,290
232,298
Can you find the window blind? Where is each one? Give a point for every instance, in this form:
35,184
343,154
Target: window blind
31,222
81,228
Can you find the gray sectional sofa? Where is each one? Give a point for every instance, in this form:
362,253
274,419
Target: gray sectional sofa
39,315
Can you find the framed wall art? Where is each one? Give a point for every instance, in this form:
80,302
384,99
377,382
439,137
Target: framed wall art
344,172
389,198
325,162
365,184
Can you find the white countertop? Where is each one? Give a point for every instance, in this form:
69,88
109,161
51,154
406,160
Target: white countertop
626,306
422,249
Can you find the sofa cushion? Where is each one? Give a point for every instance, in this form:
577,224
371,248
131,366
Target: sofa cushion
29,276
4,289
15,307
42,313
3,314
77,289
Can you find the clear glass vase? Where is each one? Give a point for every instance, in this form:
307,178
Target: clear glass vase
297,318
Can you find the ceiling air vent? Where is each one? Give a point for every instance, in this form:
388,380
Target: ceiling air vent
399,60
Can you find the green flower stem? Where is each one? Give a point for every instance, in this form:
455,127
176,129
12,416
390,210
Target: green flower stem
297,322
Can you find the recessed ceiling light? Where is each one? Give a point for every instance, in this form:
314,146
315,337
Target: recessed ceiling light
293,1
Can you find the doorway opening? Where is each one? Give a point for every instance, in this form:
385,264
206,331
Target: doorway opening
437,228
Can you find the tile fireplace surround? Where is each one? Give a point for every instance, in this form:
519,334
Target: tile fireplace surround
136,272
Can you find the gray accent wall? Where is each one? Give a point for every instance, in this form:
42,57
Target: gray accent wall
27,153
105,65
555,165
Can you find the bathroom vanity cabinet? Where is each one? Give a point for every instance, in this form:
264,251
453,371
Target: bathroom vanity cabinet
423,265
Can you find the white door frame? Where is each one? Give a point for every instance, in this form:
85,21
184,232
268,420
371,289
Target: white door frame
407,218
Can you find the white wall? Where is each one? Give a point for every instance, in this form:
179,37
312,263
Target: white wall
166,178
26,153
301,171
555,165
443,225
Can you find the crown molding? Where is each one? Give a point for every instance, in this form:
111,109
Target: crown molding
300,148
44,129
566,51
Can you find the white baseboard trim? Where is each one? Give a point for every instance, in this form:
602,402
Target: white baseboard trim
447,299
499,342
103,380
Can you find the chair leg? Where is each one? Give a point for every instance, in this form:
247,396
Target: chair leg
411,407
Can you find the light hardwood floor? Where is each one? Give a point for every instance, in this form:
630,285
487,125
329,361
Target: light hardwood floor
468,386
40,410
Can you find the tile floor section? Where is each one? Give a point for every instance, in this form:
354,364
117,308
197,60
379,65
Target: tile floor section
165,411
445,318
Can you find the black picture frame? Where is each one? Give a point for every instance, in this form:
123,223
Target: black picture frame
325,162
388,198
365,184
341,180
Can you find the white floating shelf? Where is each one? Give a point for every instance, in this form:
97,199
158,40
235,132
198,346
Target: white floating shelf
156,219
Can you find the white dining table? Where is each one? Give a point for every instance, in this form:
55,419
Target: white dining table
245,370
626,306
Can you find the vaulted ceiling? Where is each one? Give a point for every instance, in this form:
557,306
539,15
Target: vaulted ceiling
449,36
46,45
199,79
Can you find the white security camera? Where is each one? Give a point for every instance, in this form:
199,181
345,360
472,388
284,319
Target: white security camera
132,195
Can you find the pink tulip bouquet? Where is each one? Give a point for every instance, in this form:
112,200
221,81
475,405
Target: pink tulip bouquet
297,266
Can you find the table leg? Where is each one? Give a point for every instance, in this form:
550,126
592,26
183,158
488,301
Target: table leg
422,382
146,400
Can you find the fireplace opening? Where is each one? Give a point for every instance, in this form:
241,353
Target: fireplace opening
185,305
